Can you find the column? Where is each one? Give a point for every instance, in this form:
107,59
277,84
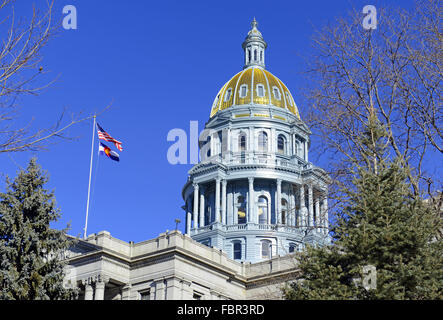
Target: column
291,211
229,208
318,219
223,205
311,206
306,150
293,144
217,200
99,290
89,292
278,204
251,217
303,219
251,145
325,215
188,218
228,144
195,205
202,207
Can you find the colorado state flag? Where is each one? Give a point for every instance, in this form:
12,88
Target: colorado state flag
104,149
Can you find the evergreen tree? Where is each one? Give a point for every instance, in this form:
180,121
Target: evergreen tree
31,253
383,224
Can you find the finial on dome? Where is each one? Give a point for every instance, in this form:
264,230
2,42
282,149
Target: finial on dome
254,47
254,24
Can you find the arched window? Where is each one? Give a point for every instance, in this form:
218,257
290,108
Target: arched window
261,55
208,142
260,90
262,210
241,210
291,247
281,144
249,55
242,146
263,141
237,250
288,97
255,55
243,90
276,93
284,211
266,249
228,94
242,142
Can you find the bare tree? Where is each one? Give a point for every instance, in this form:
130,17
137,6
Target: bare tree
20,69
393,71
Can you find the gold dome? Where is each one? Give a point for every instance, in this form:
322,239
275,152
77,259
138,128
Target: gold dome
267,90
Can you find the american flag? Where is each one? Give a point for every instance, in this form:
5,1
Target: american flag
103,135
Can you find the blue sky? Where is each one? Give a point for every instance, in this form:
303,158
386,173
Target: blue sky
161,63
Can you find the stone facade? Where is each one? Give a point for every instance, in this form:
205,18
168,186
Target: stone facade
171,266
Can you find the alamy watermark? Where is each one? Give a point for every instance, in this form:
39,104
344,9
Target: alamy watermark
370,20
70,20
369,280
196,147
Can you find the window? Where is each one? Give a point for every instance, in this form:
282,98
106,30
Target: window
242,142
255,55
228,94
208,142
262,141
241,210
242,146
281,144
262,210
249,55
291,247
284,210
261,55
145,295
299,148
266,249
289,98
260,90
237,250
277,93
243,90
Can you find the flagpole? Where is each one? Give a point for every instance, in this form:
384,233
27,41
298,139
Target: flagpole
90,174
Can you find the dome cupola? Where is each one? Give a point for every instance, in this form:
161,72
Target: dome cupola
254,47
254,85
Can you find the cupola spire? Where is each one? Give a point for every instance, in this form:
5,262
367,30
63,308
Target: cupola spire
254,47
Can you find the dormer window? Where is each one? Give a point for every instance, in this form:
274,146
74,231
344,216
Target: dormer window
243,90
228,94
260,90
276,93
288,97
